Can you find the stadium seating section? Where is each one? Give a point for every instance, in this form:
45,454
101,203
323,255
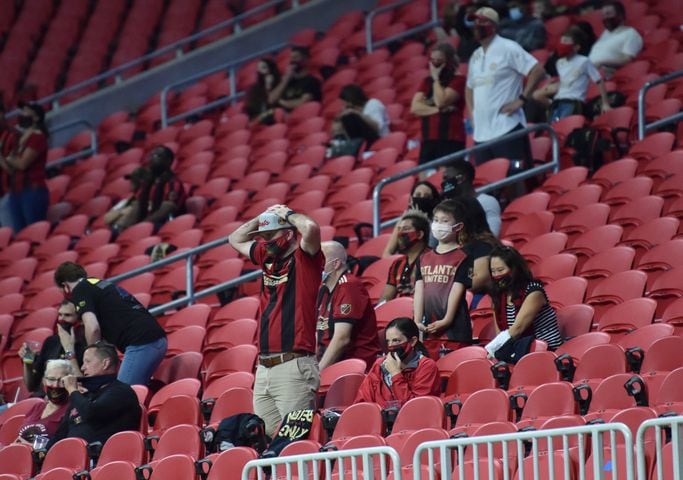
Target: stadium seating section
608,244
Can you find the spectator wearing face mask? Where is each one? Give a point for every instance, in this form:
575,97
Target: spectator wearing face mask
458,181
405,372
99,405
68,344
111,313
297,85
123,214
496,91
347,327
619,44
522,27
567,96
455,24
423,198
439,103
28,197
411,239
287,376
443,275
521,306
44,418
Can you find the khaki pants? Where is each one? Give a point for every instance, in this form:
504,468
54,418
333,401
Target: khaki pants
283,388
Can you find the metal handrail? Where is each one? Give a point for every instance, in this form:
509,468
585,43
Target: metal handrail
190,294
553,165
231,66
176,46
643,128
675,425
406,33
83,153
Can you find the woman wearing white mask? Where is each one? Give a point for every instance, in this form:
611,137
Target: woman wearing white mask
443,275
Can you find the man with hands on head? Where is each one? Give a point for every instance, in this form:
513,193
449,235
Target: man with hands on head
99,404
287,376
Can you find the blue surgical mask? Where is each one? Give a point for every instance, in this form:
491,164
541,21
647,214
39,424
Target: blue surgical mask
469,23
325,275
515,13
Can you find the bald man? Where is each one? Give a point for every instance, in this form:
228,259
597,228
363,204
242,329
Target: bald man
347,327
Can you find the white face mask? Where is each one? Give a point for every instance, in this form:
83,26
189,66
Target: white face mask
441,231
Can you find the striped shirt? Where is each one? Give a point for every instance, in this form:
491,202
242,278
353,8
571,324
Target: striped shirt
545,324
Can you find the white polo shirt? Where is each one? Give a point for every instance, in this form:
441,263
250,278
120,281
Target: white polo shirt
622,40
496,78
575,73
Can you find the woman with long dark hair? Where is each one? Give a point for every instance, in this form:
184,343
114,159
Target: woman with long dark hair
440,103
405,372
25,166
256,105
521,306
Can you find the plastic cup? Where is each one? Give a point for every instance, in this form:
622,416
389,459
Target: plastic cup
40,442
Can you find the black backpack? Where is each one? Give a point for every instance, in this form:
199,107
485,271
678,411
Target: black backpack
241,430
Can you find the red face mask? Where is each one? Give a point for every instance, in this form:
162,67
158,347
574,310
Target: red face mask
482,31
564,50
406,240
403,350
278,246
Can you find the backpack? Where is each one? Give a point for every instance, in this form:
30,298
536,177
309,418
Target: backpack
241,430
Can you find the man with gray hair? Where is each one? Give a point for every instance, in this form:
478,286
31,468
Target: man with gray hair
347,327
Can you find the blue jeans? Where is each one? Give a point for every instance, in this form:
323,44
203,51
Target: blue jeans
28,206
561,110
141,361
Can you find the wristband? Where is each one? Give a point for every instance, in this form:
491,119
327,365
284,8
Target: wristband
523,98
289,214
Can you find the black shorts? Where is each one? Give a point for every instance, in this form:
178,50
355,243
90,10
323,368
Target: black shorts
433,149
518,149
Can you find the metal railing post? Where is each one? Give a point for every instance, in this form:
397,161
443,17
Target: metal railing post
164,107
553,165
189,280
643,127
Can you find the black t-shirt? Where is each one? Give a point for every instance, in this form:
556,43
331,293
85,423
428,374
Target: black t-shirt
96,416
297,87
477,249
123,320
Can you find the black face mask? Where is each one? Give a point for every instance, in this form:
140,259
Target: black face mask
450,187
424,204
96,381
157,169
25,121
57,395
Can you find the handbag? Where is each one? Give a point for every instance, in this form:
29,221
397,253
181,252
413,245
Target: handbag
514,349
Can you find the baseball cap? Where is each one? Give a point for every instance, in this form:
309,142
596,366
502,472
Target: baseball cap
268,222
485,13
